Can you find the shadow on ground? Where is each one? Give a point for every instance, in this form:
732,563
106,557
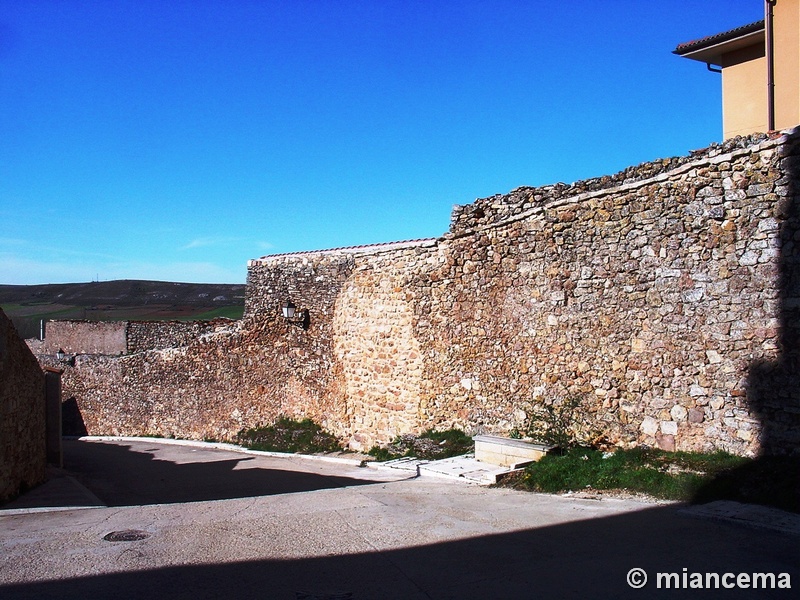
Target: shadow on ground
583,559
120,476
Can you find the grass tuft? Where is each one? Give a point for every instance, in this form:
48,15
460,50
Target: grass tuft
672,476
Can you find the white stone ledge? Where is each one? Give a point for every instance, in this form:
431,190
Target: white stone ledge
508,452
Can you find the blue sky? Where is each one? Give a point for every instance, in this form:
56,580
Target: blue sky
175,140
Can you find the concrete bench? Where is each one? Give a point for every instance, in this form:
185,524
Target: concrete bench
508,452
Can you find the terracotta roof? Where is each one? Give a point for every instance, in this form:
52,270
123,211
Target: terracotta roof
709,49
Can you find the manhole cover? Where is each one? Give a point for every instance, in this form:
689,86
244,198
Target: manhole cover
128,535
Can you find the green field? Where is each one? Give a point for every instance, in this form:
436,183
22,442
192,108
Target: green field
28,306
27,318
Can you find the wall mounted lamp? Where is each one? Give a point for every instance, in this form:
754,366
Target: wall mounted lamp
294,316
62,357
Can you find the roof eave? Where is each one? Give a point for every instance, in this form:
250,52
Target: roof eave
712,52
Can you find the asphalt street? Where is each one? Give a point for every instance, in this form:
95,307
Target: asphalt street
303,528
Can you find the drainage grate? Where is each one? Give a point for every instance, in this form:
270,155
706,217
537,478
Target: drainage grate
127,535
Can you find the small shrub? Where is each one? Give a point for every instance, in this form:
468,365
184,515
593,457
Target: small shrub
562,422
382,454
430,445
288,435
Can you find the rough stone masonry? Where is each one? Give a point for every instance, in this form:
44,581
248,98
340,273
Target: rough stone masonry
665,297
23,452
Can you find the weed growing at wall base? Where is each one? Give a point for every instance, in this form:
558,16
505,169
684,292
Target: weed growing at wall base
289,435
560,421
430,445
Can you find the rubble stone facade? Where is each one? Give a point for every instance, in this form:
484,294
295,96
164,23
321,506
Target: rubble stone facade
665,297
23,455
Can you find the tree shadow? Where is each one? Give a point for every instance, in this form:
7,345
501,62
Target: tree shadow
122,476
773,387
579,559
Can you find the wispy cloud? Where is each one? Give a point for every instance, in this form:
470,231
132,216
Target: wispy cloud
210,241
264,246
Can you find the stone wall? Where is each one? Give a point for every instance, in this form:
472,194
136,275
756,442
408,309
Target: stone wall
154,335
22,415
376,347
665,297
652,299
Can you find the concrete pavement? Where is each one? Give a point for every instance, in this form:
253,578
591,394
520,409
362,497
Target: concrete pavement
105,471
373,534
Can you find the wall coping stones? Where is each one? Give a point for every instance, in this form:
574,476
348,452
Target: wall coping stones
364,249
713,155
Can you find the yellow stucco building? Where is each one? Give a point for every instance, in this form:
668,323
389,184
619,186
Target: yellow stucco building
760,65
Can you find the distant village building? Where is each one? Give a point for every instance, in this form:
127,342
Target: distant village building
760,65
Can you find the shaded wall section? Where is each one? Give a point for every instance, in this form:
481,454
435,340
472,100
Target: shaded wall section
22,414
773,390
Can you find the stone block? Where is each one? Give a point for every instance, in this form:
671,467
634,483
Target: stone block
669,427
666,442
507,452
696,415
649,426
678,413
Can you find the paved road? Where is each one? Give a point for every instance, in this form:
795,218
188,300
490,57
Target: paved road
406,539
136,473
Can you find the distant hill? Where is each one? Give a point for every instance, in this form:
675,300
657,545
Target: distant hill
27,305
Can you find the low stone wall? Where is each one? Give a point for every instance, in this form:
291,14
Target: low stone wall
666,297
22,415
85,337
122,337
